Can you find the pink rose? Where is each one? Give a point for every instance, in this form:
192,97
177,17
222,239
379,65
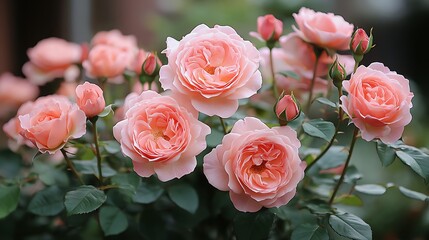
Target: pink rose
89,98
50,59
138,61
114,38
51,122
287,108
361,43
269,27
13,128
160,135
105,61
325,30
213,67
378,102
14,91
259,166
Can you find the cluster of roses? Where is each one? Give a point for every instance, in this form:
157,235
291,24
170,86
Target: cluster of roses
208,71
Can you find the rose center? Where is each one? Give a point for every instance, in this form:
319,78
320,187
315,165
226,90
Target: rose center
257,169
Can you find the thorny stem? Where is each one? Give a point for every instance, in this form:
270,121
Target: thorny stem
222,122
97,149
71,166
313,80
340,181
274,84
325,150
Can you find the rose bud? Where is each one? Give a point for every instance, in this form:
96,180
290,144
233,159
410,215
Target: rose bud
287,109
151,65
337,72
270,28
360,42
89,98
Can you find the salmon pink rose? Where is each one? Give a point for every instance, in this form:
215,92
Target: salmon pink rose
105,61
51,58
325,30
259,166
13,128
378,102
51,122
213,67
160,135
89,98
14,91
114,38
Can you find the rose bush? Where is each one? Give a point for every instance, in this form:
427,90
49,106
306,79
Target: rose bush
211,145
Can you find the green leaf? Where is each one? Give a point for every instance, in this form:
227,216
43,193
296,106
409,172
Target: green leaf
327,102
309,232
184,196
416,159
351,200
370,189
253,226
413,194
290,74
90,167
334,157
107,110
214,138
84,199
9,197
10,164
48,202
350,226
127,182
50,175
319,128
112,220
147,193
111,146
385,153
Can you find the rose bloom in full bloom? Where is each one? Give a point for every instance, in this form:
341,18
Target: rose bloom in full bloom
259,166
378,102
325,30
14,91
51,58
161,135
213,67
51,122
89,98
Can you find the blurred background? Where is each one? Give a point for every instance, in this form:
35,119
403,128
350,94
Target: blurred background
398,28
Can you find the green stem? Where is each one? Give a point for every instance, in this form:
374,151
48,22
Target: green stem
273,75
340,181
325,150
223,125
313,80
97,148
71,166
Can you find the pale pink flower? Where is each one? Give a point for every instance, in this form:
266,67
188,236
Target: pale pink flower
14,91
378,102
259,166
114,38
138,61
50,59
269,27
160,135
325,30
13,128
89,98
213,67
105,61
51,122
287,108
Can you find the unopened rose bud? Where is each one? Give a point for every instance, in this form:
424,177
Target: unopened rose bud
270,28
337,72
360,43
89,98
151,65
287,109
